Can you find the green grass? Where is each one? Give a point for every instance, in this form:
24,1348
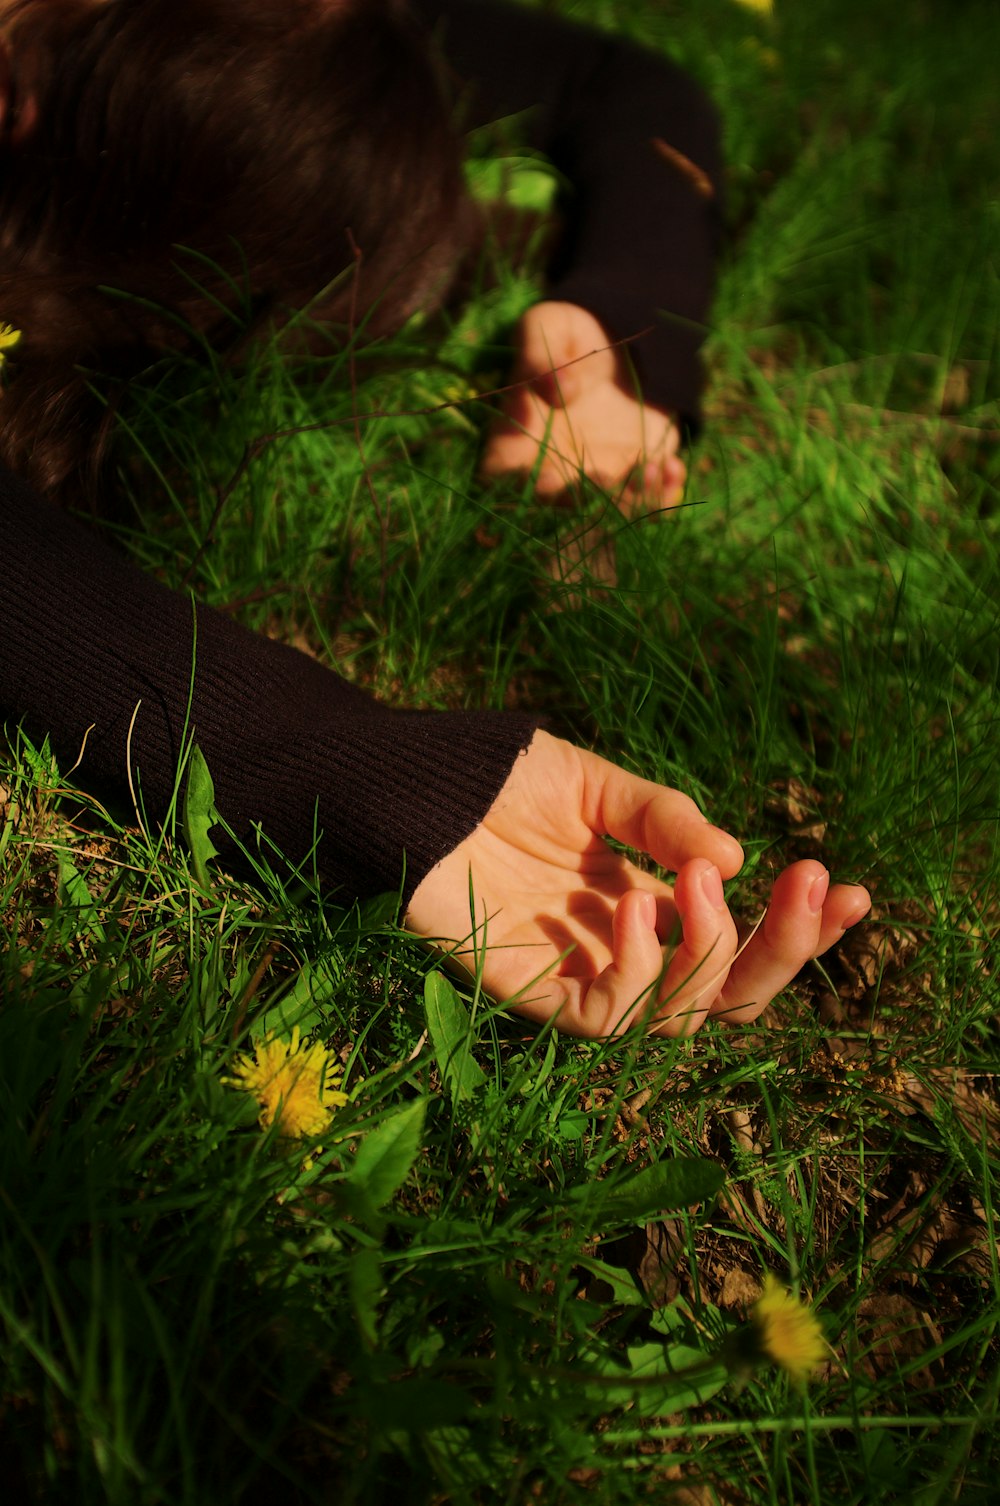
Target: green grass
444,1306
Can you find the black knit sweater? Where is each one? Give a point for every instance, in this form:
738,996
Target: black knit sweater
86,637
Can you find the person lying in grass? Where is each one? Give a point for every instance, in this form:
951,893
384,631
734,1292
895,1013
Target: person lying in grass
201,156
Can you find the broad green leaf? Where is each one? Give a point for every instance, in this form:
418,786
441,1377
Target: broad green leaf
671,1184
571,1125
424,1347
199,814
527,1073
659,1379
880,1454
625,1290
365,1284
216,1102
302,1004
674,1378
386,1155
674,1322
41,763
92,989
465,1462
450,1233
450,1030
75,895
379,911
522,182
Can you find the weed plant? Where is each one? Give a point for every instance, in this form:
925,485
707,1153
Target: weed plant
481,1282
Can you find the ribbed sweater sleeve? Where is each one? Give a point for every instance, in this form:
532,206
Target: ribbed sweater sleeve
87,641
631,133
86,638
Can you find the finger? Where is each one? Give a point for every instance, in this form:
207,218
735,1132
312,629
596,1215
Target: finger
618,997
508,451
700,963
805,917
653,819
582,1004
845,905
654,486
522,455
552,474
528,440
565,351
786,940
513,439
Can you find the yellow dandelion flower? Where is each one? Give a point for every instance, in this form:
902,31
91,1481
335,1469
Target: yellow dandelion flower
9,337
295,1085
787,1332
765,7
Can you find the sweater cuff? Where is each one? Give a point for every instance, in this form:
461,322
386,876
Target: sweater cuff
664,349
99,656
311,768
369,798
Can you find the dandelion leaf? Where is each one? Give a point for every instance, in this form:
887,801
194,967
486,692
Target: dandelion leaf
623,1287
386,1155
450,1030
75,895
41,762
668,1382
199,815
656,1381
671,1184
366,1286
305,1002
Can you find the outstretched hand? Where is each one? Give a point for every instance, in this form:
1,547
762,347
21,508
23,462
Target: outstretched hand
577,412
568,929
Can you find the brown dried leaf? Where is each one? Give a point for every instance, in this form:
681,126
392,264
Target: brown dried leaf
944,1089
739,1289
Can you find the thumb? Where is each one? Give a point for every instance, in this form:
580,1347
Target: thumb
652,818
565,352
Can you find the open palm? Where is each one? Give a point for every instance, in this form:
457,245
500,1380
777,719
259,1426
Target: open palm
571,929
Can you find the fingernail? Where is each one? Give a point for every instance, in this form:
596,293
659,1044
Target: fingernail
711,883
647,911
818,892
852,920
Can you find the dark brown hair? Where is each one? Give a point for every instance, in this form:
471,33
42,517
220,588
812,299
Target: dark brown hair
208,159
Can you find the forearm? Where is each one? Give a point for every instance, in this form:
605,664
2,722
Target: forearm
90,642
639,143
